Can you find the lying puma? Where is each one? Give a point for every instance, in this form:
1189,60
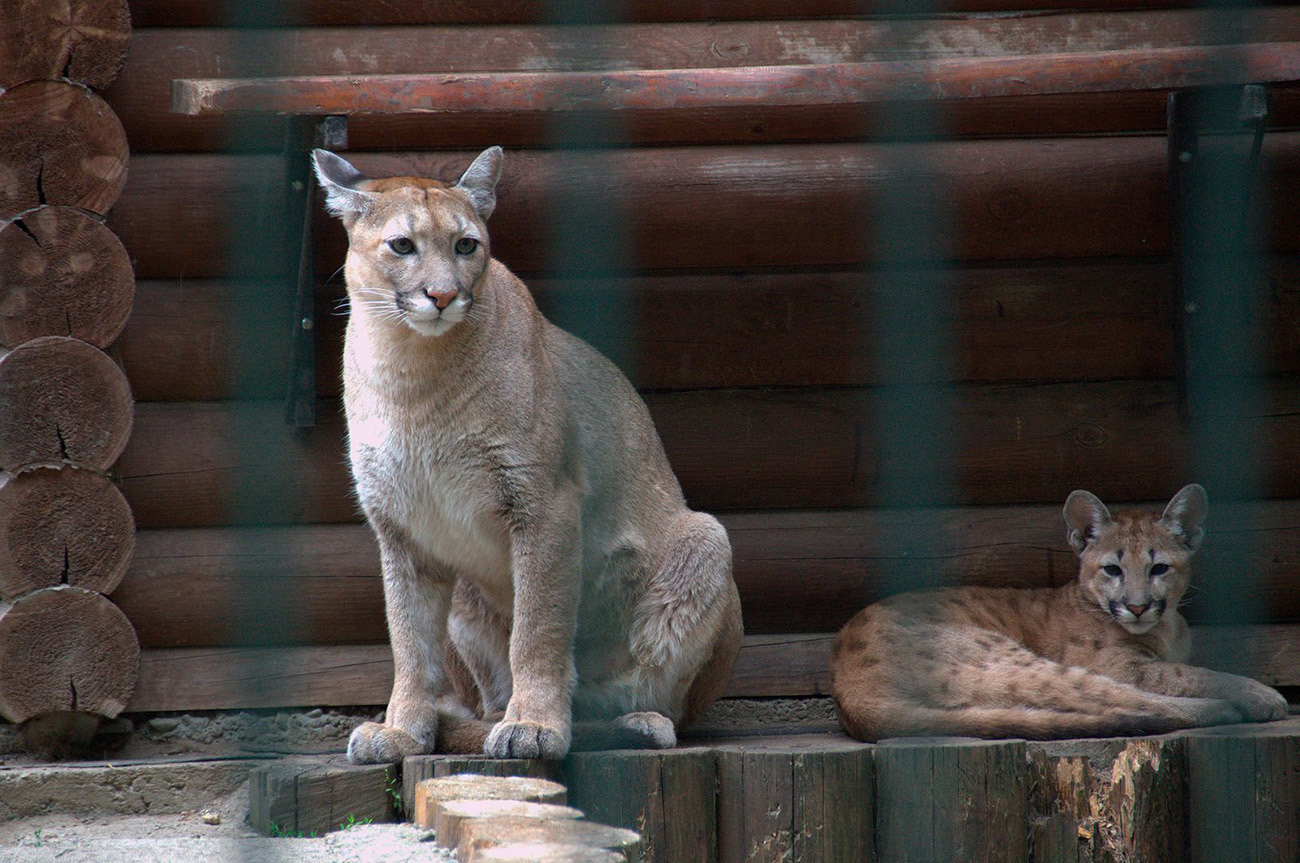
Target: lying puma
1102,656
526,515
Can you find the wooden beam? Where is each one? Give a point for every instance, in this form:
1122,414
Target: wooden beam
756,87
251,678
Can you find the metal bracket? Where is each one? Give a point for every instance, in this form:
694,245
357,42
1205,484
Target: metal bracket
1192,114
301,135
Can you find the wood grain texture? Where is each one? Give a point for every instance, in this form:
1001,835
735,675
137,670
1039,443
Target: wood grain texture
64,526
82,40
62,273
1242,793
429,795
451,816
488,833
65,401
417,768
301,797
65,649
1008,200
72,151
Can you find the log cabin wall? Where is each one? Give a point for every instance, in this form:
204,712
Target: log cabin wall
738,291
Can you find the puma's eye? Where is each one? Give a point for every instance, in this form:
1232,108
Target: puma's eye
401,245
1160,569
1113,571
466,246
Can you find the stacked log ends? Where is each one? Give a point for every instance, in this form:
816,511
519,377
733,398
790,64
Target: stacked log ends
65,649
81,40
63,527
65,401
62,273
72,149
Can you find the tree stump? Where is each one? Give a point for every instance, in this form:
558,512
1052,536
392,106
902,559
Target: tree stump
65,526
72,149
547,853
65,401
430,793
1244,795
83,40
65,649
62,274
489,832
418,768
451,816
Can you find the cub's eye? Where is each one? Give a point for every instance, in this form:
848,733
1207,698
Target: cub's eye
1113,571
401,245
466,246
1160,569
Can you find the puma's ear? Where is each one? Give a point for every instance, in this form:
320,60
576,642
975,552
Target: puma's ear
1085,516
1186,514
339,178
479,182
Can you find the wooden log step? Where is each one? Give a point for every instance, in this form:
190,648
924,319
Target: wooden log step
417,769
64,526
196,464
62,273
546,853
142,95
65,649
72,151
669,797
432,795
452,816
223,678
65,401
796,571
799,803
81,40
1006,200
479,835
754,87
310,797
212,13
182,342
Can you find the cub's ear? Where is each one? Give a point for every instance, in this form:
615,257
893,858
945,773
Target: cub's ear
479,182
1085,516
1186,514
339,178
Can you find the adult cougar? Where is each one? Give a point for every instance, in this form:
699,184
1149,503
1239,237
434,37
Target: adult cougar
526,514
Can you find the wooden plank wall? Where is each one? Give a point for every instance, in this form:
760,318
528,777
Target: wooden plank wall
744,280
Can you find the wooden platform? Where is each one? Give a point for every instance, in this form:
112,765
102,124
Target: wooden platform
1208,796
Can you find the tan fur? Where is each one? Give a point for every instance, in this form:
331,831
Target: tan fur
1104,655
525,511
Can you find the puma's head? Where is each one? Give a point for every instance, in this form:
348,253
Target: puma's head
1133,564
416,248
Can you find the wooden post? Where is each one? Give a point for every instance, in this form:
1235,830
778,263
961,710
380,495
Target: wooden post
1244,795
298,796
952,799
668,797
62,273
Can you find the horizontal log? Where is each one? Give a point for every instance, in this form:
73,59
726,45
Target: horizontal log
797,571
1010,200
81,40
200,13
251,678
212,464
183,340
754,87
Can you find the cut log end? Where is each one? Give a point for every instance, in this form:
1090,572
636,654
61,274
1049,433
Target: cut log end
62,274
479,835
431,793
72,151
82,40
65,401
546,853
63,527
451,816
65,649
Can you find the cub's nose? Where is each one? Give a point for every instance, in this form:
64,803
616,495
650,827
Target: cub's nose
1137,609
441,299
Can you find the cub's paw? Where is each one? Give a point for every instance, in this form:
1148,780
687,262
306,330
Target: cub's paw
372,743
1212,711
645,730
1260,703
527,740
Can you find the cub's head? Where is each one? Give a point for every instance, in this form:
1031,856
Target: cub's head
1134,565
416,248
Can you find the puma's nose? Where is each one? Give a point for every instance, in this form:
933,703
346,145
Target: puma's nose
441,299
1138,609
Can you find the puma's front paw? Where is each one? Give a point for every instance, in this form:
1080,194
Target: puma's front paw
1259,703
527,740
372,743
645,730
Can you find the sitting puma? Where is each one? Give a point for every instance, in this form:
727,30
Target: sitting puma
1102,656
526,515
